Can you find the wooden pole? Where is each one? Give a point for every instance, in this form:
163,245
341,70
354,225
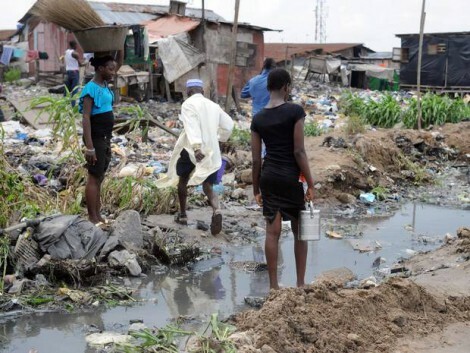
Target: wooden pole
233,56
420,57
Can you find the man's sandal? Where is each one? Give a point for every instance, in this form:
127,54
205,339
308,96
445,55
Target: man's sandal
181,219
216,223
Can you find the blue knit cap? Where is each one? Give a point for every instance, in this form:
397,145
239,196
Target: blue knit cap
194,83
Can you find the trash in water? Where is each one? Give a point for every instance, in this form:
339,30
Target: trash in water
369,198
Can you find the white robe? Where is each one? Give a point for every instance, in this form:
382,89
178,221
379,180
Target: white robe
205,124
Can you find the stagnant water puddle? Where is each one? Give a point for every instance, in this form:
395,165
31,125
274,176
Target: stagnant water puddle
222,288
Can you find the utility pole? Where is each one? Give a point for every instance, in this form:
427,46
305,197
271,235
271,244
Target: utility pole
233,56
420,57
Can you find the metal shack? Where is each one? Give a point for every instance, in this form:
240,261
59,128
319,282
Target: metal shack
445,61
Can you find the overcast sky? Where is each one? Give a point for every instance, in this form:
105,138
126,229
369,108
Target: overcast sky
372,22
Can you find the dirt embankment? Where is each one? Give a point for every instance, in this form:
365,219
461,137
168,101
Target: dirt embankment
324,318
350,165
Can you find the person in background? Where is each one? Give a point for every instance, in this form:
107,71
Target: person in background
276,185
256,88
96,105
72,67
197,157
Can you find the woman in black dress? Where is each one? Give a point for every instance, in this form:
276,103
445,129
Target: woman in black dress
276,184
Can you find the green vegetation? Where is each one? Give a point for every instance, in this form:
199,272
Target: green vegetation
388,111
380,192
137,120
4,251
138,194
165,339
63,118
355,125
12,75
240,138
312,129
436,110
417,172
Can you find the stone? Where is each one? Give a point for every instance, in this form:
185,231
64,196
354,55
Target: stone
246,176
354,337
17,286
399,320
241,339
128,229
368,283
267,349
238,193
124,258
463,233
345,198
339,276
449,238
255,302
105,338
137,327
242,157
228,179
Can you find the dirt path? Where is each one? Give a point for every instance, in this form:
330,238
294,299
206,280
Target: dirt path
455,338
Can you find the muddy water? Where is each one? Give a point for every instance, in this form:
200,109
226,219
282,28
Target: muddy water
222,288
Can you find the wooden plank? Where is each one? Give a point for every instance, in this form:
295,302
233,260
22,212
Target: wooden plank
32,117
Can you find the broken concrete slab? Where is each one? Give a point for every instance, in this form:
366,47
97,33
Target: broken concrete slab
125,259
128,229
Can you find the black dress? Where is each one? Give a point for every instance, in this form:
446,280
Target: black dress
280,187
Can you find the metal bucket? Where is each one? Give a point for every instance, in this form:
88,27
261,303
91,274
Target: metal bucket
309,223
102,39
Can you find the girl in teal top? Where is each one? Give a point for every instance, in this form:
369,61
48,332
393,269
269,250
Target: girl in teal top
96,105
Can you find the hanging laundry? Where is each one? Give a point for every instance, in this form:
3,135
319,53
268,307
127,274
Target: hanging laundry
32,55
7,54
43,55
137,32
18,53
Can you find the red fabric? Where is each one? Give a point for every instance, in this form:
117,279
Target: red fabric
32,55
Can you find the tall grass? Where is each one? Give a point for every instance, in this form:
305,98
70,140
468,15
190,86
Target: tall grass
387,111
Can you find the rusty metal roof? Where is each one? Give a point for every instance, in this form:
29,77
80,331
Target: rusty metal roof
169,25
277,51
6,34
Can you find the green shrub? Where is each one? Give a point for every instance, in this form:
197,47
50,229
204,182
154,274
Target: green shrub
12,75
355,125
387,111
240,138
436,110
312,129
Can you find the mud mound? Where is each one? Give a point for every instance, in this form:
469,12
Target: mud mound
458,136
464,235
321,319
379,151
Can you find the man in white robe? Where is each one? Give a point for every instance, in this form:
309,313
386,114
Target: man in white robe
196,157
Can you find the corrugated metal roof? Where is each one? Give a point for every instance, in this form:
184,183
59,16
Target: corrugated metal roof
6,34
435,34
277,51
114,12
379,55
169,25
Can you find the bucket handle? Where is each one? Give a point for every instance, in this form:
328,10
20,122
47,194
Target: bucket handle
310,205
